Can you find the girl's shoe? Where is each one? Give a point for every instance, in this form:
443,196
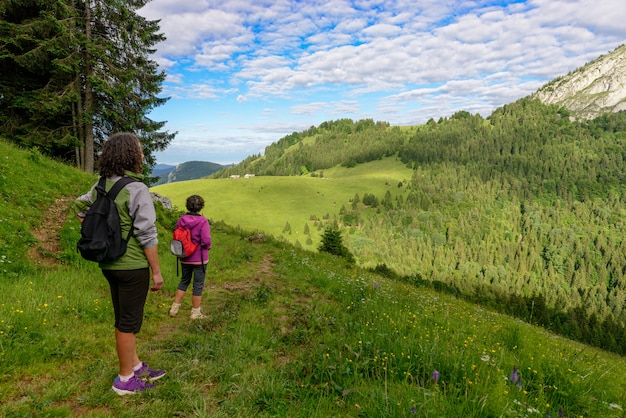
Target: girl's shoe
196,313
174,309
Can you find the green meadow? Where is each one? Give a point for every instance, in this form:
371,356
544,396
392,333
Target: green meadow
269,204
288,333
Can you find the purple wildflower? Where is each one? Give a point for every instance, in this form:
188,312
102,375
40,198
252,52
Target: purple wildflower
414,409
560,412
436,376
514,376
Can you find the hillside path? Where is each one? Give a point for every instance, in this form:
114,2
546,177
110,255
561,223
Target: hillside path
48,234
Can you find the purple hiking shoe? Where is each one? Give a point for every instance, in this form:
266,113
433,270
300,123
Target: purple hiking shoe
134,385
148,374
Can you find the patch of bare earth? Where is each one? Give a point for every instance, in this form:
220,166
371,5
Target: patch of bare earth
48,234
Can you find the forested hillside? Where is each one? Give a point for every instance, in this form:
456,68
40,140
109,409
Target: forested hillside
523,210
341,142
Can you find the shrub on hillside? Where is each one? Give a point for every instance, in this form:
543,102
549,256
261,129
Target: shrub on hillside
332,243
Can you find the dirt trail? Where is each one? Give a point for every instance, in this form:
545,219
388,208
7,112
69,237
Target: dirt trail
48,234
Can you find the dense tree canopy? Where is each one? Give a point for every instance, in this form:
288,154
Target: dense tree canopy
522,210
335,142
72,72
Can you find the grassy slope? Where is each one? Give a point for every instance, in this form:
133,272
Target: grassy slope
288,333
259,203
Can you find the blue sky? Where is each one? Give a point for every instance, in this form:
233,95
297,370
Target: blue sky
242,74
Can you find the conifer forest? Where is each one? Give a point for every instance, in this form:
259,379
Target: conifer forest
522,211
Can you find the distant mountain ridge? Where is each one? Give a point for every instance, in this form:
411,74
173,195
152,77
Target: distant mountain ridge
161,169
190,170
597,88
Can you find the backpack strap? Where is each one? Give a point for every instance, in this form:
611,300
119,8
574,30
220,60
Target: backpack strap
202,256
113,192
117,186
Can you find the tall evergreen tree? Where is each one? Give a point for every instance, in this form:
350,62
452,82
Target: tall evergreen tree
126,81
38,68
75,71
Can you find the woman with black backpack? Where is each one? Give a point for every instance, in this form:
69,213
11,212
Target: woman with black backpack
129,274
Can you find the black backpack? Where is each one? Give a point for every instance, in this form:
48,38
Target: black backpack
101,233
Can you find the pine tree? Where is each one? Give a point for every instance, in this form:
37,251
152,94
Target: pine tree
124,80
74,72
387,201
38,80
332,243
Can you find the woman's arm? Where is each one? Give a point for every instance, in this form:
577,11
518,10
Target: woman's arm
152,254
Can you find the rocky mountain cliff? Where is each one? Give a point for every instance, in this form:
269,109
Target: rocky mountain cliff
597,87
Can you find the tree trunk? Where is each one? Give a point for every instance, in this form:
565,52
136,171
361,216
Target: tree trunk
89,99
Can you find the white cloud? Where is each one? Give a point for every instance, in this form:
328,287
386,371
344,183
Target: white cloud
309,108
174,78
382,30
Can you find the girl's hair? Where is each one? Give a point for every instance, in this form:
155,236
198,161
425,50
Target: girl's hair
121,152
195,203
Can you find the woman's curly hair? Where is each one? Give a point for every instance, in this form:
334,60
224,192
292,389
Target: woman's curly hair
121,152
195,203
